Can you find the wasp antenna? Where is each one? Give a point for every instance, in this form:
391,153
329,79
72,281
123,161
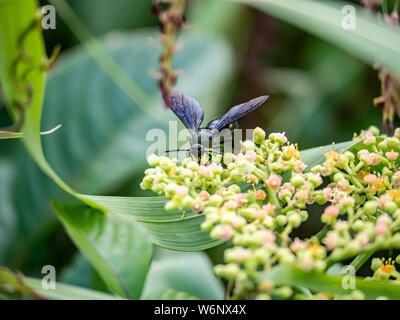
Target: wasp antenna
211,150
176,150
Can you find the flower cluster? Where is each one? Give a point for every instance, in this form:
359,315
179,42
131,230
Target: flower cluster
255,199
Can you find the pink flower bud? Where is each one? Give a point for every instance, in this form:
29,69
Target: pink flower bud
380,229
343,184
331,241
230,204
238,221
269,208
280,137
362,238
198,205
382,201
274,181
204,196
267,237
241,199
299,166
289,187
347,201
385,219
205,171
250,156
369,140
331,211
396,177
181,191
224,231
392,155
260,214
376,159
341,226
241,254
327,193
366,158
298,244
302,194
370,178
284,194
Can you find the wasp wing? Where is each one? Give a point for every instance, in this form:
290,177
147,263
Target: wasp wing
187,109
239,111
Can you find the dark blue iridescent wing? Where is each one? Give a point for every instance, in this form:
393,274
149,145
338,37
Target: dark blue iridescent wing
239,111
187,109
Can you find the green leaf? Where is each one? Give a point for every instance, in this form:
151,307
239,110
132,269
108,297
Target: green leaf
372,40
186,272
315,156
7,209
102,128
80,273
170,294
67,292
167,229
318,282
118,249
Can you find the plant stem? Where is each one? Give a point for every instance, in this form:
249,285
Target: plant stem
359,261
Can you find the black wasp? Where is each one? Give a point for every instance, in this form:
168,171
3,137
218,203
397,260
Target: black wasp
189,111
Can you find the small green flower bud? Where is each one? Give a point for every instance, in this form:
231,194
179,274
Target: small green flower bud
383,145
294,220
170,205
153,160
268,222
392,143
398,259
376,263
206,225
281,220
165,163
349,155
303,215
338,176
193,165
387,172
228,158
170,189
390,206
236,176
248,213
316,169
215,200
157,188
147,182
374,130
370,207
283,292
248,145
187,202
228,271
258,135
297,181
234,188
